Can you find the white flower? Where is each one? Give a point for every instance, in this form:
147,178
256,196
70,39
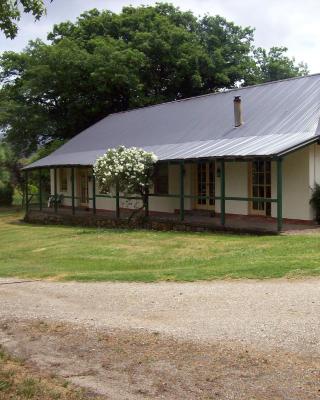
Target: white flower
132,167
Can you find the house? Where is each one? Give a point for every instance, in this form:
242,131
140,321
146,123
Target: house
252,151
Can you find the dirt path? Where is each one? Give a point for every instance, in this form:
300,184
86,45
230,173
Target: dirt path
204,340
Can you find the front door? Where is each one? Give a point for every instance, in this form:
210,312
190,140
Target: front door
205,181
83,193
260,186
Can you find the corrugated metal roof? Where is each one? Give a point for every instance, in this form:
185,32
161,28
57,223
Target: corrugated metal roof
277,116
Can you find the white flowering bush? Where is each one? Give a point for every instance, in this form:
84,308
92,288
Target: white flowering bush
129,168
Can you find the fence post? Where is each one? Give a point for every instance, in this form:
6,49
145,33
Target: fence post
40,190
72,191
147,204
279,194
181,190
222,193
94,194
55,190
27,191
117,201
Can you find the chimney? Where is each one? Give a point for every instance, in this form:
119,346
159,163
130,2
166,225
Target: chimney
237,111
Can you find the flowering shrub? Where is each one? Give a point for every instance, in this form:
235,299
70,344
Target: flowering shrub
129,168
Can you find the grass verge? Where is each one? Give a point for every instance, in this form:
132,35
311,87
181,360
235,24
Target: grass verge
90,254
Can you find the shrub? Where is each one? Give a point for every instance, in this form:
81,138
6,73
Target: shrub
315,201
128,169
6,194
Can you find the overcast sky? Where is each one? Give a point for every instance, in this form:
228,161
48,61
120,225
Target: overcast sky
291,23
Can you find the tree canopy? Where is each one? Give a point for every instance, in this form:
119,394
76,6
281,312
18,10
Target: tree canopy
274,65
107,62
10,14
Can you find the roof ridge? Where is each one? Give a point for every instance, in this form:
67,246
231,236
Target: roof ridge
214,93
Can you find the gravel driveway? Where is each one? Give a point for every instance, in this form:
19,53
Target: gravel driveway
284,313
269,317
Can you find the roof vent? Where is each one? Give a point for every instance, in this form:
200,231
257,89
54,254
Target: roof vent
238,121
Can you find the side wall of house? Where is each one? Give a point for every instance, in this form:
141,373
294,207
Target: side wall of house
298,181
301,170
296,186
314,170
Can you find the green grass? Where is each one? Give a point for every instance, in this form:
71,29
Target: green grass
90,254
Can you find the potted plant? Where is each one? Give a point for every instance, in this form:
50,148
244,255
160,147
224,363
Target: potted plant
315,201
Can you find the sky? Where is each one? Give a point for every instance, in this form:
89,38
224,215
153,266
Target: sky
291,23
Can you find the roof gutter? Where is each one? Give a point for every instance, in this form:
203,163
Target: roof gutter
298,146
51,166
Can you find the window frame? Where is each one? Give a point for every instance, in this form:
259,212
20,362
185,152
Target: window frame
63,179
260,185
161,180
205,184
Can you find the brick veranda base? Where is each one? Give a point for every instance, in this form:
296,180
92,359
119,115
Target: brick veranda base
155,223
194,222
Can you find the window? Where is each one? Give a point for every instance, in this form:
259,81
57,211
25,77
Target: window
161,180
202,182
63,180
261,186
205,184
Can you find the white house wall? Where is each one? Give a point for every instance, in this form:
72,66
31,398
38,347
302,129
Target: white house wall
314,165
297,188
104,203
66,202
160,204
170,204
236,181
314,168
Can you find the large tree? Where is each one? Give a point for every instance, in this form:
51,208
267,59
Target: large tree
107,62
274,65
10,13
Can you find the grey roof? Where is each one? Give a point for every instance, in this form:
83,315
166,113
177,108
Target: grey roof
278,116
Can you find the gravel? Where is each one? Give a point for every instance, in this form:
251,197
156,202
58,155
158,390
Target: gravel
266,314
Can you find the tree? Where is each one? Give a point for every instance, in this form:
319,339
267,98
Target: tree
128,170
185,55
274,65
106,63
53,92
6,178
10,14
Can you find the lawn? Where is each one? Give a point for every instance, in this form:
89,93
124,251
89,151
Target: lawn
87,254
